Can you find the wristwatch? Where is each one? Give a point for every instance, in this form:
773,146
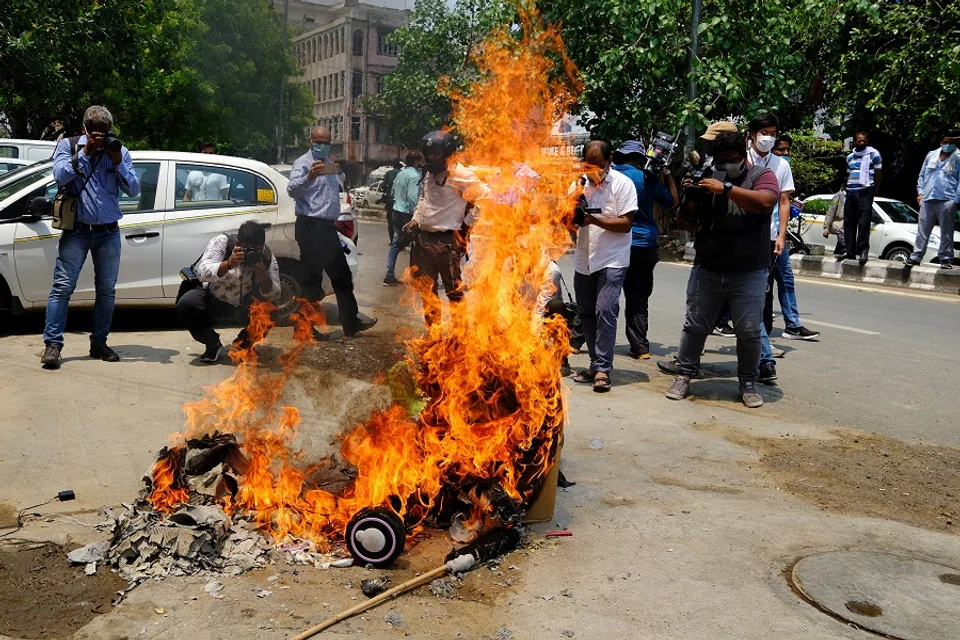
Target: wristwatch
727,186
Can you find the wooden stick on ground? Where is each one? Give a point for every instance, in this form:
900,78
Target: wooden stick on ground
372,602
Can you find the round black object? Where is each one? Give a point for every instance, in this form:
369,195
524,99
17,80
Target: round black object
375,536
438,140
111,142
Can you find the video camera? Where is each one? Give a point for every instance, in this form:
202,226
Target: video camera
660,154
696,170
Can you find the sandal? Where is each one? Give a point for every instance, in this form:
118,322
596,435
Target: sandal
585,376
601,382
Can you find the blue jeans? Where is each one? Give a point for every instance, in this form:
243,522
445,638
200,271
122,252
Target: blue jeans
706,291
598,296
786,292
399,241
766,353
104,245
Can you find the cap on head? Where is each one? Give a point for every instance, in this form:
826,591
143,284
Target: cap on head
631,147
724,126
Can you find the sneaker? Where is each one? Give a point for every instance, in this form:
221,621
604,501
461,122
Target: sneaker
51,356
750,396
679,389
668,367
910,262
946,265
101,351
391,281
724,331
800,333
362,325
639,356
212,353
768,372
862,259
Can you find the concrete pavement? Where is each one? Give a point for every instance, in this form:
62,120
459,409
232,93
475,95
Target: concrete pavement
680,528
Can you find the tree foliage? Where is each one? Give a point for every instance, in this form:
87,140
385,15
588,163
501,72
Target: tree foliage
174,72
817,164
434,61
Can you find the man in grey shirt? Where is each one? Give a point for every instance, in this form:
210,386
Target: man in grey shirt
315,185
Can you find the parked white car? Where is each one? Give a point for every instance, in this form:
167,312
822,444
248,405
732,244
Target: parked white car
370,196
893,231
32,150
12,164
161,232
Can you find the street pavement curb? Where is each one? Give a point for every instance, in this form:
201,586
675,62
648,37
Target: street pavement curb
883,272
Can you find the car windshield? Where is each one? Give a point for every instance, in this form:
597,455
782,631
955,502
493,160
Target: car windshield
10,188
899,212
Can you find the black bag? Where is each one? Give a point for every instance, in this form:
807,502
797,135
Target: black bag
189,277
66,205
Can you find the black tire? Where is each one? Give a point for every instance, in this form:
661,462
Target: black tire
898,252
291,288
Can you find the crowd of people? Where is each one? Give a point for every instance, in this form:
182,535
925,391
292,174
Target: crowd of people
736,207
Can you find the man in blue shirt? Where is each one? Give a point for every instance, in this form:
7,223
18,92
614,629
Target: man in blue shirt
406,193
644,253
315,185
938,195
86,167
865,173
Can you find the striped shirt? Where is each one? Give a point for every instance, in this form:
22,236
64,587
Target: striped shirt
853,165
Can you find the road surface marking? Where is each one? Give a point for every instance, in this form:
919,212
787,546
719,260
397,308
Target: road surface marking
842,327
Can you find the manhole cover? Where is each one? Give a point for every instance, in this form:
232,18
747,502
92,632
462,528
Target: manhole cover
899,596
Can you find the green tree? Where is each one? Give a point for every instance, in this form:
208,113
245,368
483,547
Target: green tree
434,61
817,164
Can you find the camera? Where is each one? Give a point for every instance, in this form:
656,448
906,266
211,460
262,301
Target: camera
696,171
252,256
660,154
111,142
581,211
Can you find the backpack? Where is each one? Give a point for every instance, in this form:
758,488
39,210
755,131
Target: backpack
189,277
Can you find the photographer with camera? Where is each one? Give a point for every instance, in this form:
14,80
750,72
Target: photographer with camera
730,213
93,168
660,188
233,270
604,217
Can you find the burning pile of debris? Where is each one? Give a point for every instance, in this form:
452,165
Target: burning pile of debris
480,427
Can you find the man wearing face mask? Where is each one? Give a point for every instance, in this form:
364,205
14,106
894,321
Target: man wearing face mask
315,186
783,146
938,196
406,193
730,214
441,222
602,258
865,173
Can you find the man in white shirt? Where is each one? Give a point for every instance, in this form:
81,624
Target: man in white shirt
609,202
763,136
444,214
231,280
206,185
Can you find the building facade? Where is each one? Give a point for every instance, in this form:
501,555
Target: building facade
344,54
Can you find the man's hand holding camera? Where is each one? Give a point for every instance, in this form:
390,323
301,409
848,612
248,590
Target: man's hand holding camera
317,169
710,184
95,144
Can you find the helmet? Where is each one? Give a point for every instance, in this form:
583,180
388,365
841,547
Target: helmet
438,140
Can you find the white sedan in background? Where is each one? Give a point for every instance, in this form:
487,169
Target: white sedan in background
347,222
893,230
161,231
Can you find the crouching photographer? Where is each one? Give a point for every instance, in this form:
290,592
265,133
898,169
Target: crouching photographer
231,273
730,214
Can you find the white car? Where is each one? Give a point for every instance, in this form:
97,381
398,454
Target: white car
12,164
892,232
32,150
161,232
370,196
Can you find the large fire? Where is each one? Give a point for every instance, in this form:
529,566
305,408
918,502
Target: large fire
489,372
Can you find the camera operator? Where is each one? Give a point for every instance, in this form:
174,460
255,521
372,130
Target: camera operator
731,217
230,284
602,257
95,168
644,253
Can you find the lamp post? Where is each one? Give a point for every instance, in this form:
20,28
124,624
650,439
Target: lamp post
691,79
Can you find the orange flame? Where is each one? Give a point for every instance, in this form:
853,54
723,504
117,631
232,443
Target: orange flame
165,496
489,374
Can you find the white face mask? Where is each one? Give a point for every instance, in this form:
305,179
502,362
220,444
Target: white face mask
734,169
764,144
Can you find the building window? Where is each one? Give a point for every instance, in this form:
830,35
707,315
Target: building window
384,48
358,43
323,93
382,133
379,83
313,50
356,87
343,83
355,128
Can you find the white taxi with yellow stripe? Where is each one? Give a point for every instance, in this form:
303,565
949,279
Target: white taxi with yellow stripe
162,230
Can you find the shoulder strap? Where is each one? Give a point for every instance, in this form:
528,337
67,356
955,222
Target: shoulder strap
231,242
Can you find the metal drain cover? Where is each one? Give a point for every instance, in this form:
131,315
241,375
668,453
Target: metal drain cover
899,596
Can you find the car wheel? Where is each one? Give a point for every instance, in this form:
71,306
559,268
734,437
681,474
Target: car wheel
898,253
291,288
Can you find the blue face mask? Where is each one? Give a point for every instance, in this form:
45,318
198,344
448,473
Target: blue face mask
787,158
948,148
321,150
